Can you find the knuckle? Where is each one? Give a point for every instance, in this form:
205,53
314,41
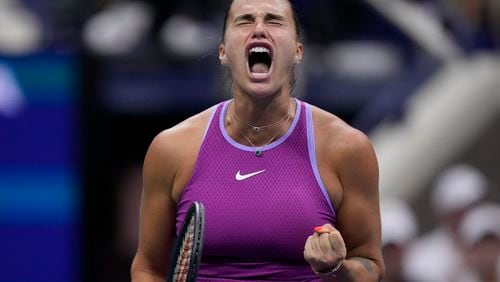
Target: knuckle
307,256
326,260
335,233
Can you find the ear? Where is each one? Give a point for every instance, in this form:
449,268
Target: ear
222,55
298,53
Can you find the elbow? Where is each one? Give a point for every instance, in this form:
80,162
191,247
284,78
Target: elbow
139,272
381,269
135,270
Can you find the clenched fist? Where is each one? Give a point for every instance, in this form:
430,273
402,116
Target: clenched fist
325,249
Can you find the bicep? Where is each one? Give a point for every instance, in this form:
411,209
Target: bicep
358,214
157,212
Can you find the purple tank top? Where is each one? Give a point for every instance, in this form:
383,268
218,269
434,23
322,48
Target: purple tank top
259,210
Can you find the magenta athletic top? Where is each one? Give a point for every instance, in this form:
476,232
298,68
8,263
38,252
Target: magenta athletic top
259,210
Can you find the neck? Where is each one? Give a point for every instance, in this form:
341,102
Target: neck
273,119
260,111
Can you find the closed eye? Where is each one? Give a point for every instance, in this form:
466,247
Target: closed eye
275,23
244,19
274,19
244,23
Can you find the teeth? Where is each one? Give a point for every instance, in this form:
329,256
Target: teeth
260,50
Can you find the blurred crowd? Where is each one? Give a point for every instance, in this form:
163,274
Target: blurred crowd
364,58
118,27
463,243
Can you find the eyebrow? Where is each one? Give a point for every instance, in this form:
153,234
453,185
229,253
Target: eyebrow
247,17
251,17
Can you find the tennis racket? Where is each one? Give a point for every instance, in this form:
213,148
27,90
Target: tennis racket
187,254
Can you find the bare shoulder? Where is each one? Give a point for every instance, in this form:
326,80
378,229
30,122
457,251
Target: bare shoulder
336,136
185,132
175,146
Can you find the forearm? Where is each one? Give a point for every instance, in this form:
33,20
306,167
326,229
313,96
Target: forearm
143,274
355,269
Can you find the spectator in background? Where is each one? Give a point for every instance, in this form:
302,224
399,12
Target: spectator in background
471,21
480,233
438,255
399,228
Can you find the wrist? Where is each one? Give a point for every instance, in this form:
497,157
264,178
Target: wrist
330,273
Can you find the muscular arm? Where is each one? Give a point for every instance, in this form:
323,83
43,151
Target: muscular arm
167,168
348,166
157,220
358,215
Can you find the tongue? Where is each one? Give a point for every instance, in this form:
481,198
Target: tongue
260,68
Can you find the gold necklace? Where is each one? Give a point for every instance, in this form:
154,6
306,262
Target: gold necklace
257,129
258,150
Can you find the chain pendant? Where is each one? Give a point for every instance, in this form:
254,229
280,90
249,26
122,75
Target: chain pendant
258,153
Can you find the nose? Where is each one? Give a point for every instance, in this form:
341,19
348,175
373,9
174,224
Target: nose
260,29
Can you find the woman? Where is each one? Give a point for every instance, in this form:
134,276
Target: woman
268,168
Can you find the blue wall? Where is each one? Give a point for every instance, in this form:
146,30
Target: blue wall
40,197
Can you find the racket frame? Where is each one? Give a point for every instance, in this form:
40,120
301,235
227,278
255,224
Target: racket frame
196,212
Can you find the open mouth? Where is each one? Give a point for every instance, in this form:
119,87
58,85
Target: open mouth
259,60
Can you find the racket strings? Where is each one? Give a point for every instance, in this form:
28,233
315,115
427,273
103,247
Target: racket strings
186,258
182,265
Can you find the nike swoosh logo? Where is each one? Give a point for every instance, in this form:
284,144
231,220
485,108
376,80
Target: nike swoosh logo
241,177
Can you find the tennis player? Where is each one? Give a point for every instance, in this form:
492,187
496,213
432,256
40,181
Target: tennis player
290,191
